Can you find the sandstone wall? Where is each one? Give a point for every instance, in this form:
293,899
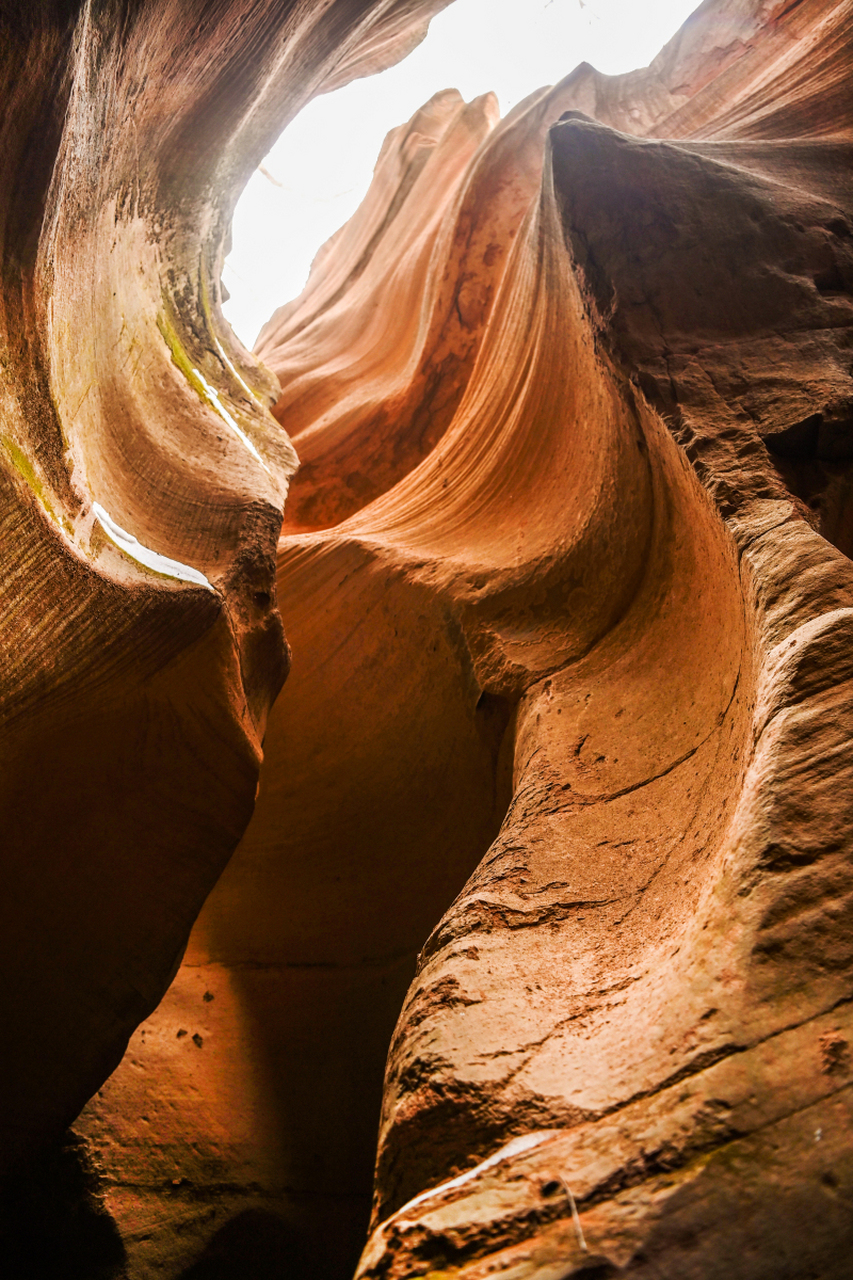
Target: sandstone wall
555,801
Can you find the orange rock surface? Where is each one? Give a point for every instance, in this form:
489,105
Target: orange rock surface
557,799
143,482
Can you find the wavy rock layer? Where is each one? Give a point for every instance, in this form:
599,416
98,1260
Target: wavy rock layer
567,576
143,481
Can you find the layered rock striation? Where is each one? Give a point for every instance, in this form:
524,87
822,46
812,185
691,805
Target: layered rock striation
556,800
143,483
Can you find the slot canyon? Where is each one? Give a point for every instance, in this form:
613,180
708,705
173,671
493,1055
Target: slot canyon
427,739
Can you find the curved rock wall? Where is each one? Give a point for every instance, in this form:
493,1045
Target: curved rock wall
143,481
561,769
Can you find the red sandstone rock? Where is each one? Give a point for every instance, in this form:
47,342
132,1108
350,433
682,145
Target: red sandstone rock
567,581
143,481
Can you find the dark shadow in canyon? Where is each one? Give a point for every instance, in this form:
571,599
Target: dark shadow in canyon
53,1224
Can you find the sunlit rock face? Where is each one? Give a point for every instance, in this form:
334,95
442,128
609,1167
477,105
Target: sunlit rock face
556,801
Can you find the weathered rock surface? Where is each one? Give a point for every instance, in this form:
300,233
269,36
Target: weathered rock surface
143,481
566,573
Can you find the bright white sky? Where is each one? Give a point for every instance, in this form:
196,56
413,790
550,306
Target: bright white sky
324,160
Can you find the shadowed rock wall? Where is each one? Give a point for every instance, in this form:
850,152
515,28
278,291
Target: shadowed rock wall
143,481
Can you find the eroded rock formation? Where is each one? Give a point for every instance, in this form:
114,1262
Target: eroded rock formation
143,482
566,574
